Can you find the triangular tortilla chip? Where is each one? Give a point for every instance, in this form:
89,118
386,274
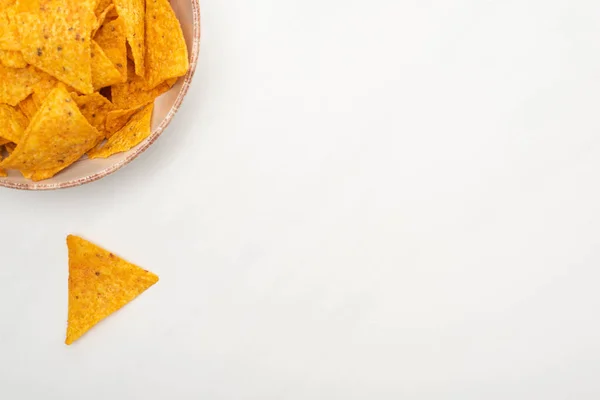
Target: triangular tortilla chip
132,134
12,123
104,73
94,108
16,84
57,136
132,12
111,37
166,50
56,39
100,283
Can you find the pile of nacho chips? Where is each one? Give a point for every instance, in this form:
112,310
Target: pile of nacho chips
79,77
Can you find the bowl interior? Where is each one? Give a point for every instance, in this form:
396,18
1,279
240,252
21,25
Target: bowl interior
86,170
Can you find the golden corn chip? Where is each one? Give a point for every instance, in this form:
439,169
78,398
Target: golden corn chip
12,123
12,59
132,12
94,108
133,93
2,143
104,73
28,107
6,3
100,283
16,84
57,136
9,30
117,119
111,37
132,134
56,39
101,18
166,50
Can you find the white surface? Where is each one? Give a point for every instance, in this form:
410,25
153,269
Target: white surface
358,200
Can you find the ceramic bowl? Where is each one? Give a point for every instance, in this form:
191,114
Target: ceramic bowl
165,107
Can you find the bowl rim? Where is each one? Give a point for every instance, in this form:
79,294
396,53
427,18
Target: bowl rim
194,53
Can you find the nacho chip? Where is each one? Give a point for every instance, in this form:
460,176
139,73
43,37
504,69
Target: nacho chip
56,39
132,12
133,93
166,50
136,130
94,108
17,84
100,283
104,73
12,59
100,18
12,123
28,107
9,31
111,37
57,136
117,119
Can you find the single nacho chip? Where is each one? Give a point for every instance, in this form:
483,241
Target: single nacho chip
12,59
117,119
100,283
132,134
94,108
57,136
16,84
111,37
132,12
104,73
56,39
12,123
133,93
166,50
28,107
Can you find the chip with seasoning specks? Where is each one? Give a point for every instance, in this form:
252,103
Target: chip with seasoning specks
111,38
100,283
95,109
56,39
132,12
55,138
166,51
28,107
137,129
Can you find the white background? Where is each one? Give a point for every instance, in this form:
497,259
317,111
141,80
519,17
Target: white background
357,200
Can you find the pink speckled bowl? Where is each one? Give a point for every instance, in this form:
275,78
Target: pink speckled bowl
85,170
